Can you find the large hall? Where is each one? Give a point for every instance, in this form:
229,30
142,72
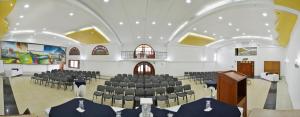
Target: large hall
149,58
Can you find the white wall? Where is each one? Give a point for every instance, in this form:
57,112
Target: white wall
293,73
227,59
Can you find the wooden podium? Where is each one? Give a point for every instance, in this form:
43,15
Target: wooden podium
232,89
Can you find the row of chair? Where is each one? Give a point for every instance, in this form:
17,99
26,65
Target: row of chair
201,77
129,94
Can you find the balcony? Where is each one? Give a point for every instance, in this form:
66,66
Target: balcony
143,55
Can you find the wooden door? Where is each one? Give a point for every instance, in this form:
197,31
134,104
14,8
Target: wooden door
272,67
144,68
246,67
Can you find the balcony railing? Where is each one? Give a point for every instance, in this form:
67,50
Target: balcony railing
144,55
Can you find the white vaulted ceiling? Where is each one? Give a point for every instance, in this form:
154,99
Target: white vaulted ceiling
118,18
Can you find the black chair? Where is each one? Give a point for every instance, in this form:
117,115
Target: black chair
129,96
109,91
99,92
161,95
188,90
119,95
180,93
171,93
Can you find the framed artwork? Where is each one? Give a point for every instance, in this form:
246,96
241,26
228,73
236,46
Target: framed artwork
246,51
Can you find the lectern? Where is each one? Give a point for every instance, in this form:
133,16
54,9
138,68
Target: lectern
232,89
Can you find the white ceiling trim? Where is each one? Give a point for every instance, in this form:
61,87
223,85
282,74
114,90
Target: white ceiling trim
85,7
181,30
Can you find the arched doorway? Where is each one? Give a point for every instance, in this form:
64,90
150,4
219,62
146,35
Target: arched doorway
144,51
144,68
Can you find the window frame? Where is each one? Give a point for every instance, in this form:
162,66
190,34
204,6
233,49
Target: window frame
70,65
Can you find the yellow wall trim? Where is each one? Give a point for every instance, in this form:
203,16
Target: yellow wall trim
285,25
293,4
89,36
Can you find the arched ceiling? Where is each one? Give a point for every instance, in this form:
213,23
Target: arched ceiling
154,21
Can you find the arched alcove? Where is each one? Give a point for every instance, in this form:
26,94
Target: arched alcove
144,51
74,51
100,50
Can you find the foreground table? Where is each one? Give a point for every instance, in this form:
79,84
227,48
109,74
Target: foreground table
92,109
156,112
196,109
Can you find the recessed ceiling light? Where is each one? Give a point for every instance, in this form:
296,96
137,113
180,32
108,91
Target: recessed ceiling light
214,34
161,38
17,23
150,37
138,37
269,31
153,22
21,16
121,23
229,24
271,35
265,14
137,22
15,28
267,24
194,29
237,29
44,28
26,6
188,1
205,31
71,14
243,33
221,36
106,1
220,17
169,24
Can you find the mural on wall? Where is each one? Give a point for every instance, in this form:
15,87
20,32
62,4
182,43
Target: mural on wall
246,51
74,51
100,50
17,53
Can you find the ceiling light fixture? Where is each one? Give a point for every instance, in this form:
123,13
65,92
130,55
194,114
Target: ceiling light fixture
161,38
269,31
220,17
243,33
138,37
44,29
194,34
153,23
188,1
169,24
71,14
214,34
267,24
59,35
252,37
121,23
26,6
17,24
265,14
237,29
229,24
137,22
194,29
22,31
106,1
150,37
205,31
21,16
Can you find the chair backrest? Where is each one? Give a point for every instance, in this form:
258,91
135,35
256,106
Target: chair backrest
100,88
129,92
178,89
139,85
160,91
148,85
119,90
139,92
109,89
178,83
107,83
170,90
149,92
187,87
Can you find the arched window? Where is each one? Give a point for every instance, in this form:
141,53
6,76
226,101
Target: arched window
100,50
144,51
74,51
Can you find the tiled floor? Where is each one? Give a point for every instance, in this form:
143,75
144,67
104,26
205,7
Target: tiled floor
38,97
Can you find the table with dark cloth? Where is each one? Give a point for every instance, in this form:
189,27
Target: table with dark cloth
79,82
135,112
92,109
211,83
196,109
